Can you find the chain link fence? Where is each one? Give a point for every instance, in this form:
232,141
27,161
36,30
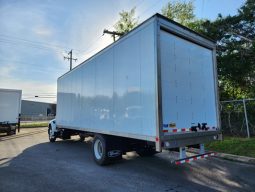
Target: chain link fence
238,117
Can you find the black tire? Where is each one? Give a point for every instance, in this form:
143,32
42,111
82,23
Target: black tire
99,150
51,139
15,131
11,131
104,150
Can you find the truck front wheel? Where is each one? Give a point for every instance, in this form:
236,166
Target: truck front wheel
52,138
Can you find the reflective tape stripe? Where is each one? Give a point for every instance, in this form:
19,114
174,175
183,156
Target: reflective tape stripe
176,130
167,128
188,160
177,162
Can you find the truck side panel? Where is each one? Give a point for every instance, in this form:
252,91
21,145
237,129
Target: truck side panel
10,105
114,92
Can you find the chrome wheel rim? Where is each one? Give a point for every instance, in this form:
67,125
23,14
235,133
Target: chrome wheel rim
98,149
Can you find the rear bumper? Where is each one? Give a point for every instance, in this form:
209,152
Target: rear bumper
175,140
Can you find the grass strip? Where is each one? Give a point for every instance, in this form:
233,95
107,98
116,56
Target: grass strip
34,124
235,146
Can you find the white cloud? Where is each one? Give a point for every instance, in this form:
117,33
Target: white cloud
42,31
32,21
29,88
6,71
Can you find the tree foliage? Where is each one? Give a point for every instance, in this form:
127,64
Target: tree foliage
127,21
235,51
180,12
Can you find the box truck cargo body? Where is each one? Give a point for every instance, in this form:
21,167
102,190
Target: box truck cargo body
156,86
10,106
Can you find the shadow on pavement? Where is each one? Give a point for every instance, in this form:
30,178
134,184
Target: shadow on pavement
69,166
9,137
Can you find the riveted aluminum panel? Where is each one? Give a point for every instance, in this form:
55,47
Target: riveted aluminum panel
188,89
115,91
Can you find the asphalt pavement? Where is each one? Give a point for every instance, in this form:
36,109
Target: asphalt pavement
29,163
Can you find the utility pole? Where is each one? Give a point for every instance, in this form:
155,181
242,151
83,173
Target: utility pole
113,33
70,58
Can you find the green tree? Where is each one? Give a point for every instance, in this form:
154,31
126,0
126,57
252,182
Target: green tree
127,21
180,12
235,51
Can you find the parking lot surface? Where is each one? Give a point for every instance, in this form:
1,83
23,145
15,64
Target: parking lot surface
29,163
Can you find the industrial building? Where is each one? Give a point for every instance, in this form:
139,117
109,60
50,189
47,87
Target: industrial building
37,109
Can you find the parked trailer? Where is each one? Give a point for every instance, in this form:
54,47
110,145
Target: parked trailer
10,106
154,89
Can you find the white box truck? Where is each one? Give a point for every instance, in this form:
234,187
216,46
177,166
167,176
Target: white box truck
10,107
154,89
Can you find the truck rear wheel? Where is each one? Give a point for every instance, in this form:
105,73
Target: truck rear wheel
105,150
99,150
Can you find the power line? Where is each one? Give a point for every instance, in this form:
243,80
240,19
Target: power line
12,42
41,45
85,51
37,42
58,48
33,64
97,39
38,95
92,44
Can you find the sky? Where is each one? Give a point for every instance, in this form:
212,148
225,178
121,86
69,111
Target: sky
35,36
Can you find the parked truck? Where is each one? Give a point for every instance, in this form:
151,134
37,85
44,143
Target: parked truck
10,107
153,89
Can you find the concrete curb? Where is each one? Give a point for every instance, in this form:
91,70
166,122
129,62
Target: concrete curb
230,157
237,158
